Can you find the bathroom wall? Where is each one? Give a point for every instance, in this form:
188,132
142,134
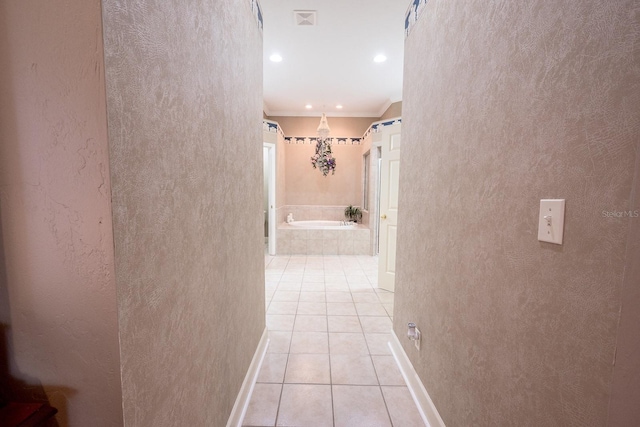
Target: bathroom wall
506,103
394,110
306,191
184,88
58,321
307,186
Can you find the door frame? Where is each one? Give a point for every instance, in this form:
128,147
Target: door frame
271,188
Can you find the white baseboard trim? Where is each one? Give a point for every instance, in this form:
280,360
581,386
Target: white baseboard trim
244,396
425,405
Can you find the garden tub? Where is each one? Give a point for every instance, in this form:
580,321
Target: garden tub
322,237
323,225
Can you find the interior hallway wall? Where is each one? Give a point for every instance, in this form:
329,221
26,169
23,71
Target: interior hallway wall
184,90
506,103
57,287
625,393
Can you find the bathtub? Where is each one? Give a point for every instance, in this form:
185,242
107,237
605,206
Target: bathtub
323,238
323,225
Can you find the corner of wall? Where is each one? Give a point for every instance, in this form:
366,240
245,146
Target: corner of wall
625,393
419,393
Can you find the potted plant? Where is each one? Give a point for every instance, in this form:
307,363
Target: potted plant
353,213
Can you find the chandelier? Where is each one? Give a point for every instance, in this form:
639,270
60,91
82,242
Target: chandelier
323,159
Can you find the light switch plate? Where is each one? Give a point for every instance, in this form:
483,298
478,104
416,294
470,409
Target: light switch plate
551,221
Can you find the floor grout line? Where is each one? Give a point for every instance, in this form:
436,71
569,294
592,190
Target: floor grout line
309,270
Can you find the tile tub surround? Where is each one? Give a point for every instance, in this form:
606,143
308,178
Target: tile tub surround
300,241
312,212
332,367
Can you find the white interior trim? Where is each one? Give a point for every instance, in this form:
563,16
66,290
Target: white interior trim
244,396
271,212
425,405
318,112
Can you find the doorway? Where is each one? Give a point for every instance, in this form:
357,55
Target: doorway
269,172
387,221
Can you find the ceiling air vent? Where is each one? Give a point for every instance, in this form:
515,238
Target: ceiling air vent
304,18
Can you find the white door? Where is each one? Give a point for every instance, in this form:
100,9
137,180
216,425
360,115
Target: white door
389,175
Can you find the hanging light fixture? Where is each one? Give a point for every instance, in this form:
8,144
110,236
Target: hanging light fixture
323,127
323,159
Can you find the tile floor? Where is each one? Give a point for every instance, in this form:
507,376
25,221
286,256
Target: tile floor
328,363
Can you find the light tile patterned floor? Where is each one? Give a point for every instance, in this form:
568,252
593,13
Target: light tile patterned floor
328,363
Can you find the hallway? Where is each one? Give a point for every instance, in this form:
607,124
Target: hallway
328,362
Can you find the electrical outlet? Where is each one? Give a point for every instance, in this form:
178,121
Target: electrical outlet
413,333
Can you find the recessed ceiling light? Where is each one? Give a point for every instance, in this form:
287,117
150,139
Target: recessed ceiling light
339,107
275,58
308,106
379,58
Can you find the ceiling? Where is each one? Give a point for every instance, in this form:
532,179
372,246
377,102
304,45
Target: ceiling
332,63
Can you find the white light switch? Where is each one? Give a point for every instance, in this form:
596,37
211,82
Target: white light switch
551,221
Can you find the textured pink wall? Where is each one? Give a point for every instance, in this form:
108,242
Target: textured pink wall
506,103
57,289
305,185
394,110
184,86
